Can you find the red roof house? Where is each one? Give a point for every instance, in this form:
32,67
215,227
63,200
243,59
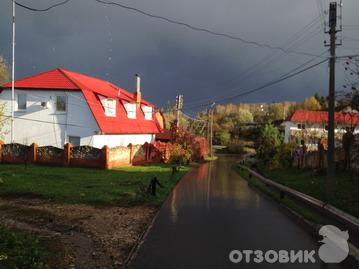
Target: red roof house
307,116
311,125
99,95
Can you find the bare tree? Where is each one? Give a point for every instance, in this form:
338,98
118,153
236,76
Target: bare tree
4,71
4,77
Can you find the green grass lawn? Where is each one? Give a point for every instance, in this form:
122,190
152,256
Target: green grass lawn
125,186
287,201
21,250
313,184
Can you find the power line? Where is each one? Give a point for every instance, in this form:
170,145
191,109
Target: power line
201,29
299,37
192,118
263,86
41,10
187,25
286,74
302,65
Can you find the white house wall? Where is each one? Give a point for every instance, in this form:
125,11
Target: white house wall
45,126
291,126
121,140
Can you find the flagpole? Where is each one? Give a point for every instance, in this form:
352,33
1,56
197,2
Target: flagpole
13,73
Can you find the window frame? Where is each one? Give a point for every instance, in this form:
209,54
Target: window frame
131,114
148,115
56,99
107,107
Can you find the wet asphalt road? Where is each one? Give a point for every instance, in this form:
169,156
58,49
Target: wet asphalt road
213,211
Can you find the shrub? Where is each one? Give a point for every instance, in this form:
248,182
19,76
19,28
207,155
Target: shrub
269,143
224,138
272,151
283,157
179,154
235,147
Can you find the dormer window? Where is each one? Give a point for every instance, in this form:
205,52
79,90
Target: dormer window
109,106
147,110
130,109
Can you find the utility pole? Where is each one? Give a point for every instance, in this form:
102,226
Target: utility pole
179,106
331,102
210,129
211,140
13,73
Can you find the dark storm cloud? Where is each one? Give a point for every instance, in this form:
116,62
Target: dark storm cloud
114,44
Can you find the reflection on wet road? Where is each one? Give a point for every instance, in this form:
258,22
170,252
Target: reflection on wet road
213,211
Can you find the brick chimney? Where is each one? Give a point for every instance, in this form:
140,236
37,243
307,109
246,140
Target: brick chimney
138,91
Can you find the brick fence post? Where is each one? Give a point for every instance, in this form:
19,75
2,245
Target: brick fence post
106,157
33,153
1,143
67,154
131,153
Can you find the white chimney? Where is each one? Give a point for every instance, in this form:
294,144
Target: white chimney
138,90
138,83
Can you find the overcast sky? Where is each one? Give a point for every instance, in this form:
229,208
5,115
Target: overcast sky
113,44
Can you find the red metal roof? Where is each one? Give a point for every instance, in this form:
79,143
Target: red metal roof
53,79
322,117
61,79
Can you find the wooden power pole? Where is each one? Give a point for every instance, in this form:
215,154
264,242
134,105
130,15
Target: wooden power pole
179,106
331,102
211,140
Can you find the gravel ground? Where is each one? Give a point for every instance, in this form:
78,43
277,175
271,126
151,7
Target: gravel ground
79,236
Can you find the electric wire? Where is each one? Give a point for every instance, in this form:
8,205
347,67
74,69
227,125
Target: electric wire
41,10
298,36
263,86
201,29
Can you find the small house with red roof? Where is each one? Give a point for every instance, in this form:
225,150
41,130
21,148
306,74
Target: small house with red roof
313,125
60,106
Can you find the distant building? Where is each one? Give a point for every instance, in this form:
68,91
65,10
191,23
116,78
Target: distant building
60,106
313,125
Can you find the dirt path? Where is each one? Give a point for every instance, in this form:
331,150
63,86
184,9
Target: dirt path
79,236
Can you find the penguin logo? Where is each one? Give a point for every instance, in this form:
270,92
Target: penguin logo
335,246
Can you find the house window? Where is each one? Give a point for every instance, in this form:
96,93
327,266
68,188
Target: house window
147,110
301,126
109,105
326,127
130,109
21,101
74,141
61,103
